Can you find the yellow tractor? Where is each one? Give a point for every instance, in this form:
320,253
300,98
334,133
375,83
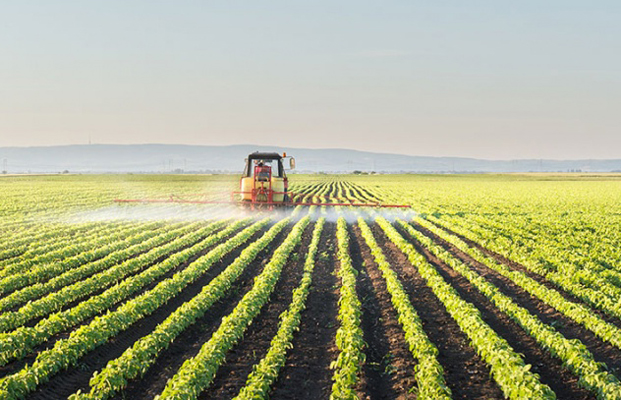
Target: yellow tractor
264,183
264,180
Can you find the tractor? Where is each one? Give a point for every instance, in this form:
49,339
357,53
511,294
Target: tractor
264,184
264,181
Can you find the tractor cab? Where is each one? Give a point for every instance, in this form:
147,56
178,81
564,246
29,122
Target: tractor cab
262,172
264,181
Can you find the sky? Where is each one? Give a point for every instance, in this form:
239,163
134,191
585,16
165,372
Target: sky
484,79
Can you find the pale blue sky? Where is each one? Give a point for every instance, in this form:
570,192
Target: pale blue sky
489,79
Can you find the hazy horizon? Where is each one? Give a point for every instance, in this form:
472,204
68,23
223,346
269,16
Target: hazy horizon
526,80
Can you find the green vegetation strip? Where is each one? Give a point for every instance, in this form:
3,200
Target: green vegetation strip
46,251
605,296
577,312
572,353
266,371
349,336
429,373
67,352
588,263
136,360
42,238
21,342
39,272
198,372
507,367
73,275
55,301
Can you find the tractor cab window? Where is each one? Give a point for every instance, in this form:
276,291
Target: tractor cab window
263,170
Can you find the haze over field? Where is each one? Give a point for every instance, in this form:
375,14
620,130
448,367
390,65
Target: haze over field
162,158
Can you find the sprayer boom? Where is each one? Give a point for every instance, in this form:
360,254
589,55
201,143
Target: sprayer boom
264,183
280,204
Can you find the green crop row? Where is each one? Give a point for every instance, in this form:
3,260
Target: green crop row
588,263
73,256
46,250
349,336
36,239
62,281
507,367
56,300
21,341
429,372
136,360
53,253
573,353
266,371
564,279
67,352
576,311
196,373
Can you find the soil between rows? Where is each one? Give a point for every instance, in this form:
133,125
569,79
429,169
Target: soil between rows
601,350
231,376
141,269
306,373
57,243
540,279
77,377
550,369
388,372
18,364
189,342
466,374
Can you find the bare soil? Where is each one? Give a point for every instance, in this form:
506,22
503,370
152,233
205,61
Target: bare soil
306,373
69,381
466,374
551,370
601,350
389,369
540,279
231,376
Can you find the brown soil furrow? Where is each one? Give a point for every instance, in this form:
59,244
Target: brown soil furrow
231,376
18,364
189,342
551,370
466,374
77,301
540,279
367,192
140,270
602,351
307,373
67,382
389,367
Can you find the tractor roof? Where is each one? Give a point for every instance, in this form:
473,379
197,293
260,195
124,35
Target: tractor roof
264,156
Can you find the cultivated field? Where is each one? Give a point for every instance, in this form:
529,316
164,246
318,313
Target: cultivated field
490,287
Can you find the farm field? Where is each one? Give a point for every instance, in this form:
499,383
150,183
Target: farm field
488,287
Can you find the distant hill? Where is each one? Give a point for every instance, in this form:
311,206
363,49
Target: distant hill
100,158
